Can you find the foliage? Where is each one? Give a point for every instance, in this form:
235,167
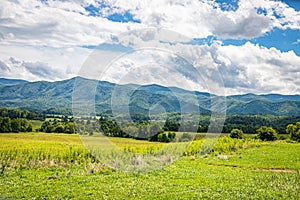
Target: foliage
294,131
166,137
110,128
250,123
141,130
236,133
17,113
267,133
58,126
14,125
88,126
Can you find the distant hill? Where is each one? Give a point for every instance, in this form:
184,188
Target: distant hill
5,81
56,97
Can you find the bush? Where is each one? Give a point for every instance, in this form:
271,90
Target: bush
294,131
236,133
267,133
166,137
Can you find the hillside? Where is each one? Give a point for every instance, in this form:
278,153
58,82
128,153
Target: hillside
56,97
5,81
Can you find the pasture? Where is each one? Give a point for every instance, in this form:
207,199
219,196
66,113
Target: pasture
58,166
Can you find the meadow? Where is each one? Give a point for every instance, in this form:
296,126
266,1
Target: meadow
59,166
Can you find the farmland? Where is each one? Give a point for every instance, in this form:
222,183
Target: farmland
39,165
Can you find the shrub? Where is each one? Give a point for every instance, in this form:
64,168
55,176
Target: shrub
267,133
236,133
166,137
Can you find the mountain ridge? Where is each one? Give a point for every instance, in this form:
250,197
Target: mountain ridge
44,96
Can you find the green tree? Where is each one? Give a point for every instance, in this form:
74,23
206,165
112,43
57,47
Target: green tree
23,125
236,133
70,127
59,128
15,125
294,131
47,127
266,133
5,125
29,128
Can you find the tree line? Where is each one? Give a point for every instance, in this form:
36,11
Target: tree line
250,123
15,120
18,113
14,125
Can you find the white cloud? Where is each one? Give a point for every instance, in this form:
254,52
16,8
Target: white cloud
60,23
45,41
235,69
56,24
197,19
66,62
257,69
12,68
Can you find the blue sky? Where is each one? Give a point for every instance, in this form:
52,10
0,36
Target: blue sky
284,40
253,44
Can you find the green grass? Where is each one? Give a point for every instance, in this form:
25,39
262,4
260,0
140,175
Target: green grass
36,124
57,166
276,155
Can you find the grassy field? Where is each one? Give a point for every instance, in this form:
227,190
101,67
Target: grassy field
58,166
36,124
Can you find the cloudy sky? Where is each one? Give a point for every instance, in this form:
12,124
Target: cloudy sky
242,46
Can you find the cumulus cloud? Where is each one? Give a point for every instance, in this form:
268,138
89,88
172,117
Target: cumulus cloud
66,61
55,23
32,71
60,23
44,39
197,19
213,68
257,69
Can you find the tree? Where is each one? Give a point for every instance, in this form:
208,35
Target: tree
59,128
236,133
47,127
266,133
294,131
5,125
165,137
23,125
15,125
70,127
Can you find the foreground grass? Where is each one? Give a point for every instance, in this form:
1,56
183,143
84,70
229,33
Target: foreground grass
75,174
185,179
275,155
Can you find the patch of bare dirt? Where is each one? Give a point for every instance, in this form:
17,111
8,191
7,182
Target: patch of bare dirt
277,170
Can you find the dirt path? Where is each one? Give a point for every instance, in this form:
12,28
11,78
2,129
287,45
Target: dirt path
257,169
277,170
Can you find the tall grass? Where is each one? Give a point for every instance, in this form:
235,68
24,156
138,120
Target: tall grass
19,151
59,150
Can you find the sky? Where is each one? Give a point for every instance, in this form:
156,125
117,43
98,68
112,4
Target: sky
220,46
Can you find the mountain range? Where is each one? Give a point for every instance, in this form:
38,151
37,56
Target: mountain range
56,98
